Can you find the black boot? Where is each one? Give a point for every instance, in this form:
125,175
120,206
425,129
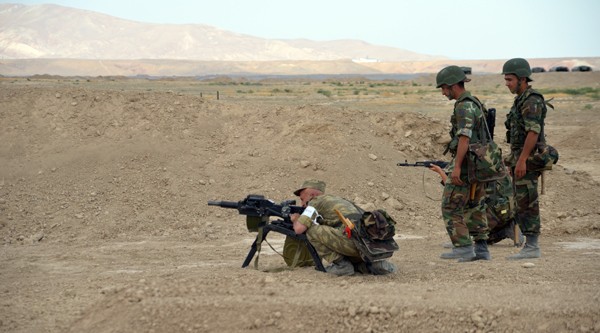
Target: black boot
340,267
531,249
481,251
463,253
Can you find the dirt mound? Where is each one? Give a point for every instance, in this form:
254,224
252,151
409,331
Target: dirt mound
103,188
123,162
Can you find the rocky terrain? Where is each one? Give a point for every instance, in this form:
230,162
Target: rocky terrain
105,226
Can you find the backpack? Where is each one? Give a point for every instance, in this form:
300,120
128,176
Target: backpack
542,157
484,158
374,235
500,199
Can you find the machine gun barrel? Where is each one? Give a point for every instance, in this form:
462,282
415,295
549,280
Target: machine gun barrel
224,204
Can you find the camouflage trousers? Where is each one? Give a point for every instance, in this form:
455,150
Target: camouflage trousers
331,243
528,204
492,220
464,217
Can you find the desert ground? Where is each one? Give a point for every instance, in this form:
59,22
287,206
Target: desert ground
105,227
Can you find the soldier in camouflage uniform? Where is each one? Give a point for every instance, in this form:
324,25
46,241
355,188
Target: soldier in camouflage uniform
500,203
525,128
325,231
463,206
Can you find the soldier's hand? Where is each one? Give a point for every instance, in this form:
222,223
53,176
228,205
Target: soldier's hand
439,171
456,176
520,169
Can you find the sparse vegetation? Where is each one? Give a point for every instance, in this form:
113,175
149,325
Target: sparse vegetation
325,93
592,92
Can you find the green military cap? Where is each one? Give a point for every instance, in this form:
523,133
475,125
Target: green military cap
311,183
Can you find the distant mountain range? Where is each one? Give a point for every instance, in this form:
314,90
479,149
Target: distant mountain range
51,31
56,40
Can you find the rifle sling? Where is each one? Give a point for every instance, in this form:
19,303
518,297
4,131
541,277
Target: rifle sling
260,239
296,258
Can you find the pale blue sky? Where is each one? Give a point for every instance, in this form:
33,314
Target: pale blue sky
462,29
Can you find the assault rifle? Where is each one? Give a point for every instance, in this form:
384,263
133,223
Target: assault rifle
258,211
427,164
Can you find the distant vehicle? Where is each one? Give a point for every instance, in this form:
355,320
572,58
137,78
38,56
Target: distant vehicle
559,69
581,69
466,70
538,69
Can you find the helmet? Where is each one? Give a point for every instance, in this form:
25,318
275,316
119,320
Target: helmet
517,66
450,75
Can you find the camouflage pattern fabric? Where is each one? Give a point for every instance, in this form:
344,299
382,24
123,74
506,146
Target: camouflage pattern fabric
528,205
328,236
379,225
465,120
542,158
332,244
485,162
374,235
527,114
500,202
464,217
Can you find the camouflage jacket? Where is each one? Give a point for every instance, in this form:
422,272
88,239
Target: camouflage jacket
325,205
527,114
467,120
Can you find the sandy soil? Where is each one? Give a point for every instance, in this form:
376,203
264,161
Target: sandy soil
105,226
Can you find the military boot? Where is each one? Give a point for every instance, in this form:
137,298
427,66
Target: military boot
340,267
463,253
481,251
530,250
382,267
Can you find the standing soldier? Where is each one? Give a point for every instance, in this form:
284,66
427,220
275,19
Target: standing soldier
463,207
525,128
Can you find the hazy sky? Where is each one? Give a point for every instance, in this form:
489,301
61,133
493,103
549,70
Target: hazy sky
462,29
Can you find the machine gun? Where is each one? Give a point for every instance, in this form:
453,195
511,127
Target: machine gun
258,211
426,164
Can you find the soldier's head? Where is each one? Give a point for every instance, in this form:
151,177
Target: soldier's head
517,75
452,81
310,188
